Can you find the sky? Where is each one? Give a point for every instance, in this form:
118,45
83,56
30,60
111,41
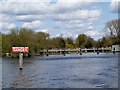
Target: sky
68,18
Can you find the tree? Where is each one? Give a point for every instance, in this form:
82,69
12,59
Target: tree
98,44
13,36
37,41
89,43
61,42
6,43
114,28
81,40
0,44
69,43
26,37
104,42
41,40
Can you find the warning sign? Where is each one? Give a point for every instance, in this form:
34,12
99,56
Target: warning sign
20,49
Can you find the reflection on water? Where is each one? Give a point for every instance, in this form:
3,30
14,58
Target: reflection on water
70,71
21,79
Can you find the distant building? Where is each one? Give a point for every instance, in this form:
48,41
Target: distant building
116,48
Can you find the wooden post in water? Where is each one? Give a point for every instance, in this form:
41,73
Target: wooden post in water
85,50
97,51
94,50
47,53
80,51
114,50
102,50
21,61
64,52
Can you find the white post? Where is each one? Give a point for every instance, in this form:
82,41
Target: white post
21,61
94,50
102,50
85,50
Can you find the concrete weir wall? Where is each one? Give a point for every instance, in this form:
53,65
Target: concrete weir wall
116,48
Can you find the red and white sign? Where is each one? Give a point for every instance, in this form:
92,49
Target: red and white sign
20,49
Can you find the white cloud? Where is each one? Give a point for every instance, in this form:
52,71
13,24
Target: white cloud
5,18
26,1
78,15
29,18
41,7
42,30
7,26
76,1
91,33
64,6
33,25
0,25
89,23
90,28
95,13
95,34
11,26
55,0
73,24
115,6
85,0
54,35
69,17
25,8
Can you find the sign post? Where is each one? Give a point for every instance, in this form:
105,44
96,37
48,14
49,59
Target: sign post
21,50
21,61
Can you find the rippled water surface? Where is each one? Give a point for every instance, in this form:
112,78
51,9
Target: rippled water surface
0,73
70,71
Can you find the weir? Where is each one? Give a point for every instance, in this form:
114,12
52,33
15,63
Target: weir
80,51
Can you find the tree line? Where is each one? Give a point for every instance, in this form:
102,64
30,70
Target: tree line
37,41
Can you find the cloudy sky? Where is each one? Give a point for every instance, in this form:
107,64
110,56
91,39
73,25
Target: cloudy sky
58,17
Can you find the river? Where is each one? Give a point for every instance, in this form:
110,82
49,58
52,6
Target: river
70,71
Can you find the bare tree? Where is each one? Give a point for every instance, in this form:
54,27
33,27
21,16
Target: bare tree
114,27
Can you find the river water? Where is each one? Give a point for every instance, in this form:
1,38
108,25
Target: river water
0,73
70,71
